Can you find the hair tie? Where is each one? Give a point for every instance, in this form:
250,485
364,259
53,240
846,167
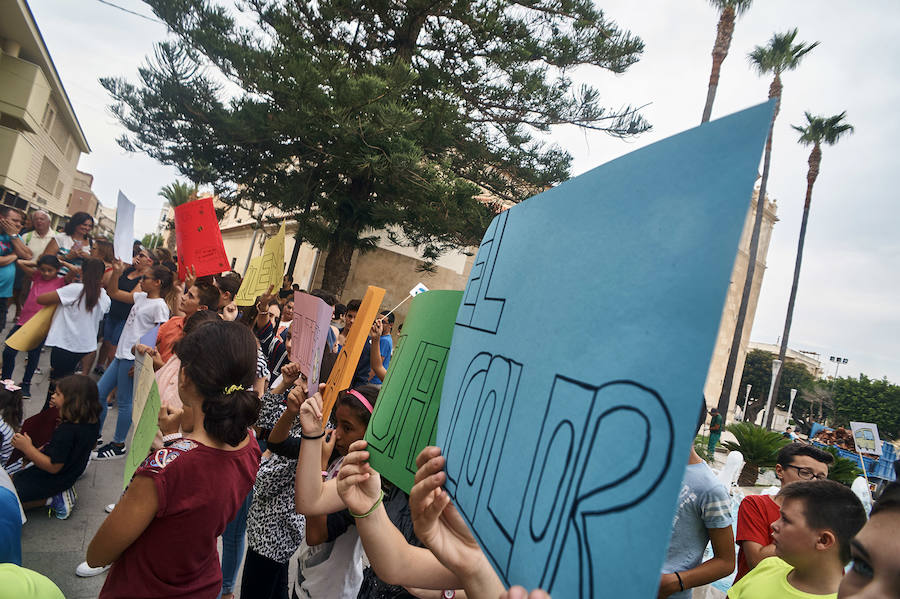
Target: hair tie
10,385
361,398
232,388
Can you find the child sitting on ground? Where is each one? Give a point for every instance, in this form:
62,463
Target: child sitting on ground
812,543
59,463
10,417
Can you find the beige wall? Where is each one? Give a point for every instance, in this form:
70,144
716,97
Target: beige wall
716,373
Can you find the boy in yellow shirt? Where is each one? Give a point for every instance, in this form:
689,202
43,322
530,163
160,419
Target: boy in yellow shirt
812,544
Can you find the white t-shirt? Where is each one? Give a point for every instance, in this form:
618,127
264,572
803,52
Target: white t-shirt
145,314
74,328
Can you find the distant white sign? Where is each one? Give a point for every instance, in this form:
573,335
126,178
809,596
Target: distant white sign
865,435
124,238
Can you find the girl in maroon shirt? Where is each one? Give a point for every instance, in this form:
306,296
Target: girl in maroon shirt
161,536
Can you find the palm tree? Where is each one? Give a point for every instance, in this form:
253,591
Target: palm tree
758,446
177,193
729,11
843,470
818,130
780,55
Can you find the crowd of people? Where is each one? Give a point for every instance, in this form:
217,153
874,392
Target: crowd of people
243,453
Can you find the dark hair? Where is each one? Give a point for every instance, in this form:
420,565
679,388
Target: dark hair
199,318
5,210
105,249
208,295
11,408
78,219
339,310
370,392
388,314
787,454
165,278
295,287
92,270
325,296
229,283
829,505
162,254
353,305
889,500
215,357
49,260
136,248
82,404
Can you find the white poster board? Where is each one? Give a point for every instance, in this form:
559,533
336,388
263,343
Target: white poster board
865,436
124,238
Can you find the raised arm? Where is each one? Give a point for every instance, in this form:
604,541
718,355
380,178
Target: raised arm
376,362
52,248
394,560
48,299
19,248
112,285
312,497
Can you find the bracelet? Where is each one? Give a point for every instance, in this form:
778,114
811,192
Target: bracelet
372,509
172,437
324,473
680,583
312,437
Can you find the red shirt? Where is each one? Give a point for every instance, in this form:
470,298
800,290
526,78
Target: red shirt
754,523
199,489
169,332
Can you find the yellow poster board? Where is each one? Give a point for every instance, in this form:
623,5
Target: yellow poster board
263,271
144,377
34,331
345,365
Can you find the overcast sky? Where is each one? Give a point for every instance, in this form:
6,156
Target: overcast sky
846,304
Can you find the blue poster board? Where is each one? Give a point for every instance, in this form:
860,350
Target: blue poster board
579,357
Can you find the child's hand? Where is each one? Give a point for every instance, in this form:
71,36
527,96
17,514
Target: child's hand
142,349
190,276
357,483
295,400
375,331
230,312
290,372
328,447
22,441
169,419
436,521
310,413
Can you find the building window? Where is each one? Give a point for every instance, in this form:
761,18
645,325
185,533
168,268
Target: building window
49,175
59,188
48,117
71,151
59,134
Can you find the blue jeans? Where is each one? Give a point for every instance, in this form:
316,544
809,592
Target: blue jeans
116,377
233,546
9,359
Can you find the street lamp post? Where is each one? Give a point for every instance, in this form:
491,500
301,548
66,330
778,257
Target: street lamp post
746,401
837,364
776,367
791,405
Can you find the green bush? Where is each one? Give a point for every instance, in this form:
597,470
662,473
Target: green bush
759,447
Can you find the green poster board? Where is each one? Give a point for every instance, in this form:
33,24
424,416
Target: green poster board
405,416
144,433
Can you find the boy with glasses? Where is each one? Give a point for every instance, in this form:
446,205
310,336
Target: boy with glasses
796,462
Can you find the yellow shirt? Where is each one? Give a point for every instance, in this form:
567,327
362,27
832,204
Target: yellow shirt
769,580
17,582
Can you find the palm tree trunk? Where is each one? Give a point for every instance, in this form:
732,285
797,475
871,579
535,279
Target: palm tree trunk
815,158
724,33
731,366
749,475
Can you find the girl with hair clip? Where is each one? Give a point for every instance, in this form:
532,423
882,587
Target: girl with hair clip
57,465
73,331
149,310
44,277
316,498
73,245
161,536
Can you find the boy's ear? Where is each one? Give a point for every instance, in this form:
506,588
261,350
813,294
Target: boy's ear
827,539
779,472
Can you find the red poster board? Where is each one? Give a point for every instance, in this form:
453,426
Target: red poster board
199,239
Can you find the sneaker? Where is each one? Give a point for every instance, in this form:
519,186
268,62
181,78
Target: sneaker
38,369
110,451
26,390
63,503
99,370
109,508
85,571
99,443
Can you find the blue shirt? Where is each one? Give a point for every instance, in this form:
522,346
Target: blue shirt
385,348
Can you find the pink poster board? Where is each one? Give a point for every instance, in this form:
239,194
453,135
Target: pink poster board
199,239
309,331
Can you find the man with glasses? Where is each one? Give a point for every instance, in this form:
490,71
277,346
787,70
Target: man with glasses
796,462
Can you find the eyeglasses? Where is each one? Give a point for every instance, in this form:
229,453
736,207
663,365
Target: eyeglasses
807,474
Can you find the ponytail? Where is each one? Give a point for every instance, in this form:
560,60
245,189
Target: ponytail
91,279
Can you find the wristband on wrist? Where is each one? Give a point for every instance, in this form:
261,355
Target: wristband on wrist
371,510
312,437
680,583
172,437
